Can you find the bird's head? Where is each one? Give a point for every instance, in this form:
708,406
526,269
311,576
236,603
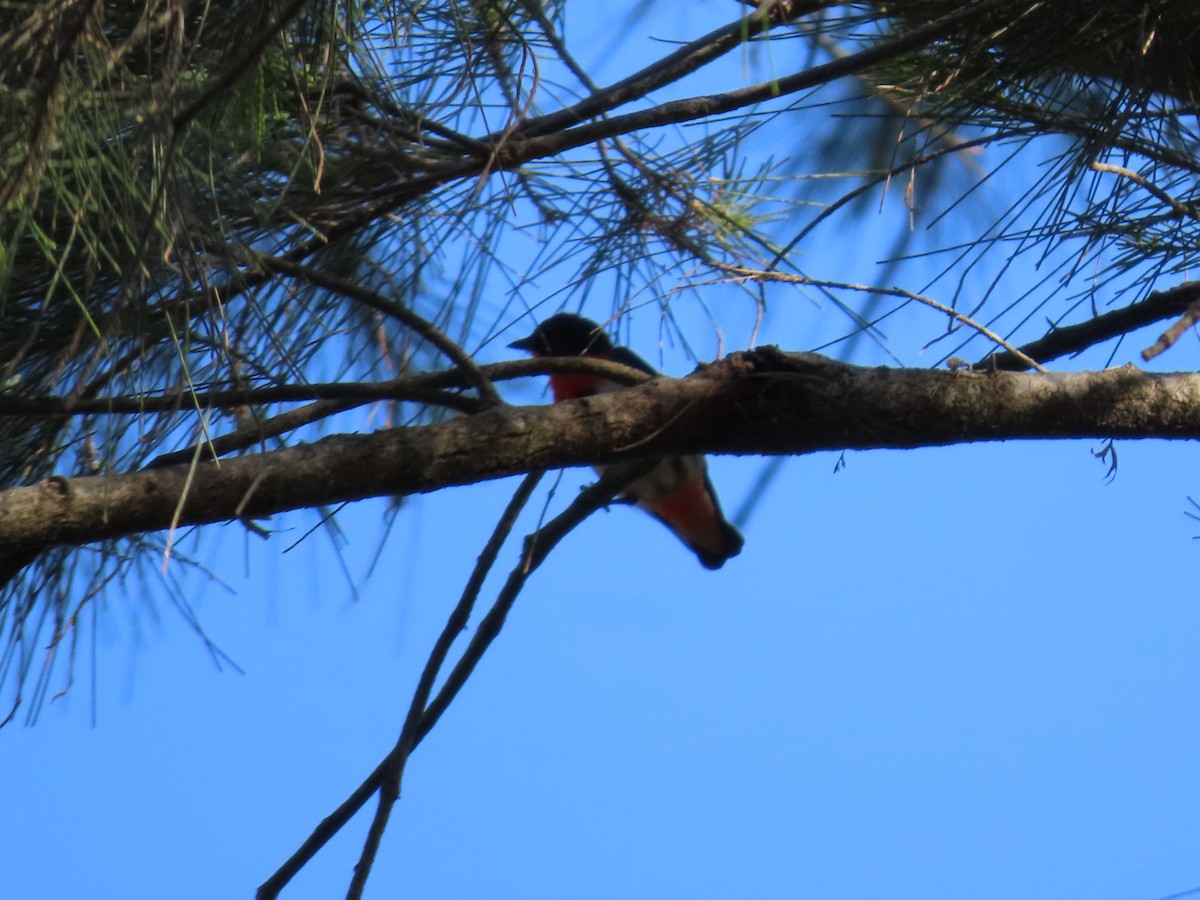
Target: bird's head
565,334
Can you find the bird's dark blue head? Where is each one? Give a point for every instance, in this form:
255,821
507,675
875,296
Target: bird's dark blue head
566,334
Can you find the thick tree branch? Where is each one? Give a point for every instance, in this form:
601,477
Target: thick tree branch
763,402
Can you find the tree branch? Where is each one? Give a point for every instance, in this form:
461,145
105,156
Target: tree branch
398,311
424,387
762,402
392,770
689,109
1076,338
668,70
537,546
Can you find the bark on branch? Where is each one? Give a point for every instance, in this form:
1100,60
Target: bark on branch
757,402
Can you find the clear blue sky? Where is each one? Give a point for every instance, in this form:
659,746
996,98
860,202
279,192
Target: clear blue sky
966,672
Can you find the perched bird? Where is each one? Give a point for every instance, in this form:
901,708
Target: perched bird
677,491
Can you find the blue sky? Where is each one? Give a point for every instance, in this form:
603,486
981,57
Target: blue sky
934,674
940,673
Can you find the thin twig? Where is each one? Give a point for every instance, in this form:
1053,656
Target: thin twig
766,275
1071,339
1168,338
257,431
459,617
1184,209
389,789
1029,361
675,112
398,311
397,389
537,546
690,57
423,388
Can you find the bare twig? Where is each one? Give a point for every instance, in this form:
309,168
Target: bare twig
412,388
393,764
668,70
1183,209
771,275
398,311
415,388
692,108
423,388
1168,338
1029,361
258,430
389,787
537,546
1075,338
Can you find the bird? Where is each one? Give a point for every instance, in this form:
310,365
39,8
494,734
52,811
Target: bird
677,491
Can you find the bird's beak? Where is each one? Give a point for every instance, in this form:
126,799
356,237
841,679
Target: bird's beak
528,344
